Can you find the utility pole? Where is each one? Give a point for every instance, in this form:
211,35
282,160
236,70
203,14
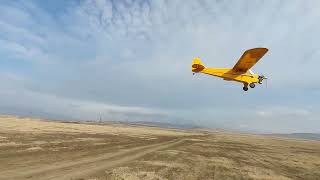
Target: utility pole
100,119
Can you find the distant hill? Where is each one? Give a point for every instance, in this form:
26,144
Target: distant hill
143,123
164,124
308,136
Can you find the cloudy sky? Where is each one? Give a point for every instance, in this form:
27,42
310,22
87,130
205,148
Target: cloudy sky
130,60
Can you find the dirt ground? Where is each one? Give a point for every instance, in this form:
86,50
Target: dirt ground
41,149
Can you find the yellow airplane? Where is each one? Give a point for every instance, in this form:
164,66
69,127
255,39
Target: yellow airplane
241,72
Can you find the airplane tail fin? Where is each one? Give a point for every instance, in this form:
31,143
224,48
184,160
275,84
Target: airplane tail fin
197,65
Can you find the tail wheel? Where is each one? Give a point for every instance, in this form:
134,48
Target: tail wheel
245,88
252,85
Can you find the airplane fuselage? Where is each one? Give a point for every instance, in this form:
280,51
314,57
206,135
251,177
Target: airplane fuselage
229,75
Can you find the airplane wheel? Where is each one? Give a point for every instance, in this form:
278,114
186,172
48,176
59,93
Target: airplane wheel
252,85
245,88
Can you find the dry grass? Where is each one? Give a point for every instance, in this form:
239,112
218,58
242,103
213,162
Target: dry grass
35,149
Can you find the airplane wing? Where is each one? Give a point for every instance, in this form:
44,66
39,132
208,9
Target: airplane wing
249,58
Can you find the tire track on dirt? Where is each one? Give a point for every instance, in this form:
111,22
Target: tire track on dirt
89,166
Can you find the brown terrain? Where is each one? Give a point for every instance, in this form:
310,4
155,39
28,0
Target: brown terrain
42,149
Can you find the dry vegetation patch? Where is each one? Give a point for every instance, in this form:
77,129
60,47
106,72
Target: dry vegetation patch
36,149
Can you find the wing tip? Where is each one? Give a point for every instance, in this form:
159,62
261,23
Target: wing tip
260,49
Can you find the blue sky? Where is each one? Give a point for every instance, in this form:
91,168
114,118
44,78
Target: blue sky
130,60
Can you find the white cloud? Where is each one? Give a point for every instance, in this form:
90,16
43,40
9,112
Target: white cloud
280,111
133,57
14,95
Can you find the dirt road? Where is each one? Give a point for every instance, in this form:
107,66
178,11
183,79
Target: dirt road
39,149
85,167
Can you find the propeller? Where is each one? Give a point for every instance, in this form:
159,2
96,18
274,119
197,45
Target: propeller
261,78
